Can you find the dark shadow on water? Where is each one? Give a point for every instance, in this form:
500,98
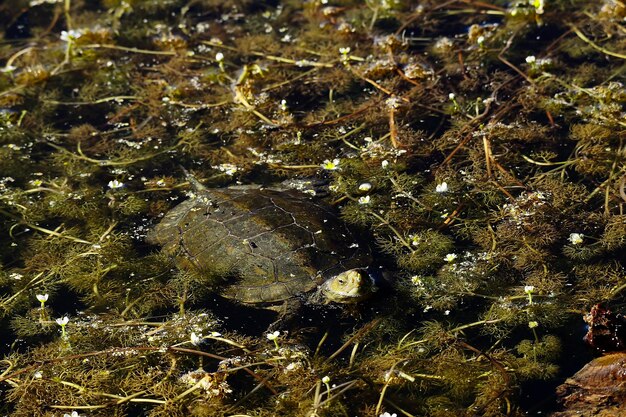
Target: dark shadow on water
538,398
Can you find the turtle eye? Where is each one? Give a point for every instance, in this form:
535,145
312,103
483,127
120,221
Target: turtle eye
341,281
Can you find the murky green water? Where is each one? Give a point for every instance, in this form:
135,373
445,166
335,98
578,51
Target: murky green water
477,149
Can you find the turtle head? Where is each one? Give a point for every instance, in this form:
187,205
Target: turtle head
350,286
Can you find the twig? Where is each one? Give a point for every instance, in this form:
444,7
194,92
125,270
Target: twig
362,332
595,46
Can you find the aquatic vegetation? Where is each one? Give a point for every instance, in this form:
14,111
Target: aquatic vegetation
479,146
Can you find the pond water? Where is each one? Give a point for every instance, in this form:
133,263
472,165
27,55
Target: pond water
474,150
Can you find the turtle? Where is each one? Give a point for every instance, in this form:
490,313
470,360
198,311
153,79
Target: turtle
269,245
599,388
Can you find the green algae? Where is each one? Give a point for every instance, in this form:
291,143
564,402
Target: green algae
480,144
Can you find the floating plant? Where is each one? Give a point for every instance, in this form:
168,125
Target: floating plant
477,147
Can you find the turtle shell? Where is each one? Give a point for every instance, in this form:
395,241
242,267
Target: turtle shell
598,389
270,244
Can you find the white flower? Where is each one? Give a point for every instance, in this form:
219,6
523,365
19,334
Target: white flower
480,40
532,324
450,257
38,375
273,336
442,188
329,165
326,379
115,184
451,96
366,186
42,298
384,164
67,36
74,414
365,199
392,102
195,339
386,414
344,54
283,105
529,289
62,321
219,57
16,276
530,59
576,238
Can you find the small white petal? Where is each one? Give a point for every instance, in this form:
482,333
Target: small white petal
442,188
195,339
366,186
274,335
450,257
115,184
329,165
576,238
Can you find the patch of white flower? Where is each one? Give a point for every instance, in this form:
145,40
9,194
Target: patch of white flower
273,336
115,184
62,321
442,187
366,186
329,165
450,257
195,339
576,238
70,35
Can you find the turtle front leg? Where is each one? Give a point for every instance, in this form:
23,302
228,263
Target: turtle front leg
288,315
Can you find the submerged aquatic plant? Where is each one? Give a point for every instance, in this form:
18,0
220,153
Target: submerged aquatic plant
479,144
